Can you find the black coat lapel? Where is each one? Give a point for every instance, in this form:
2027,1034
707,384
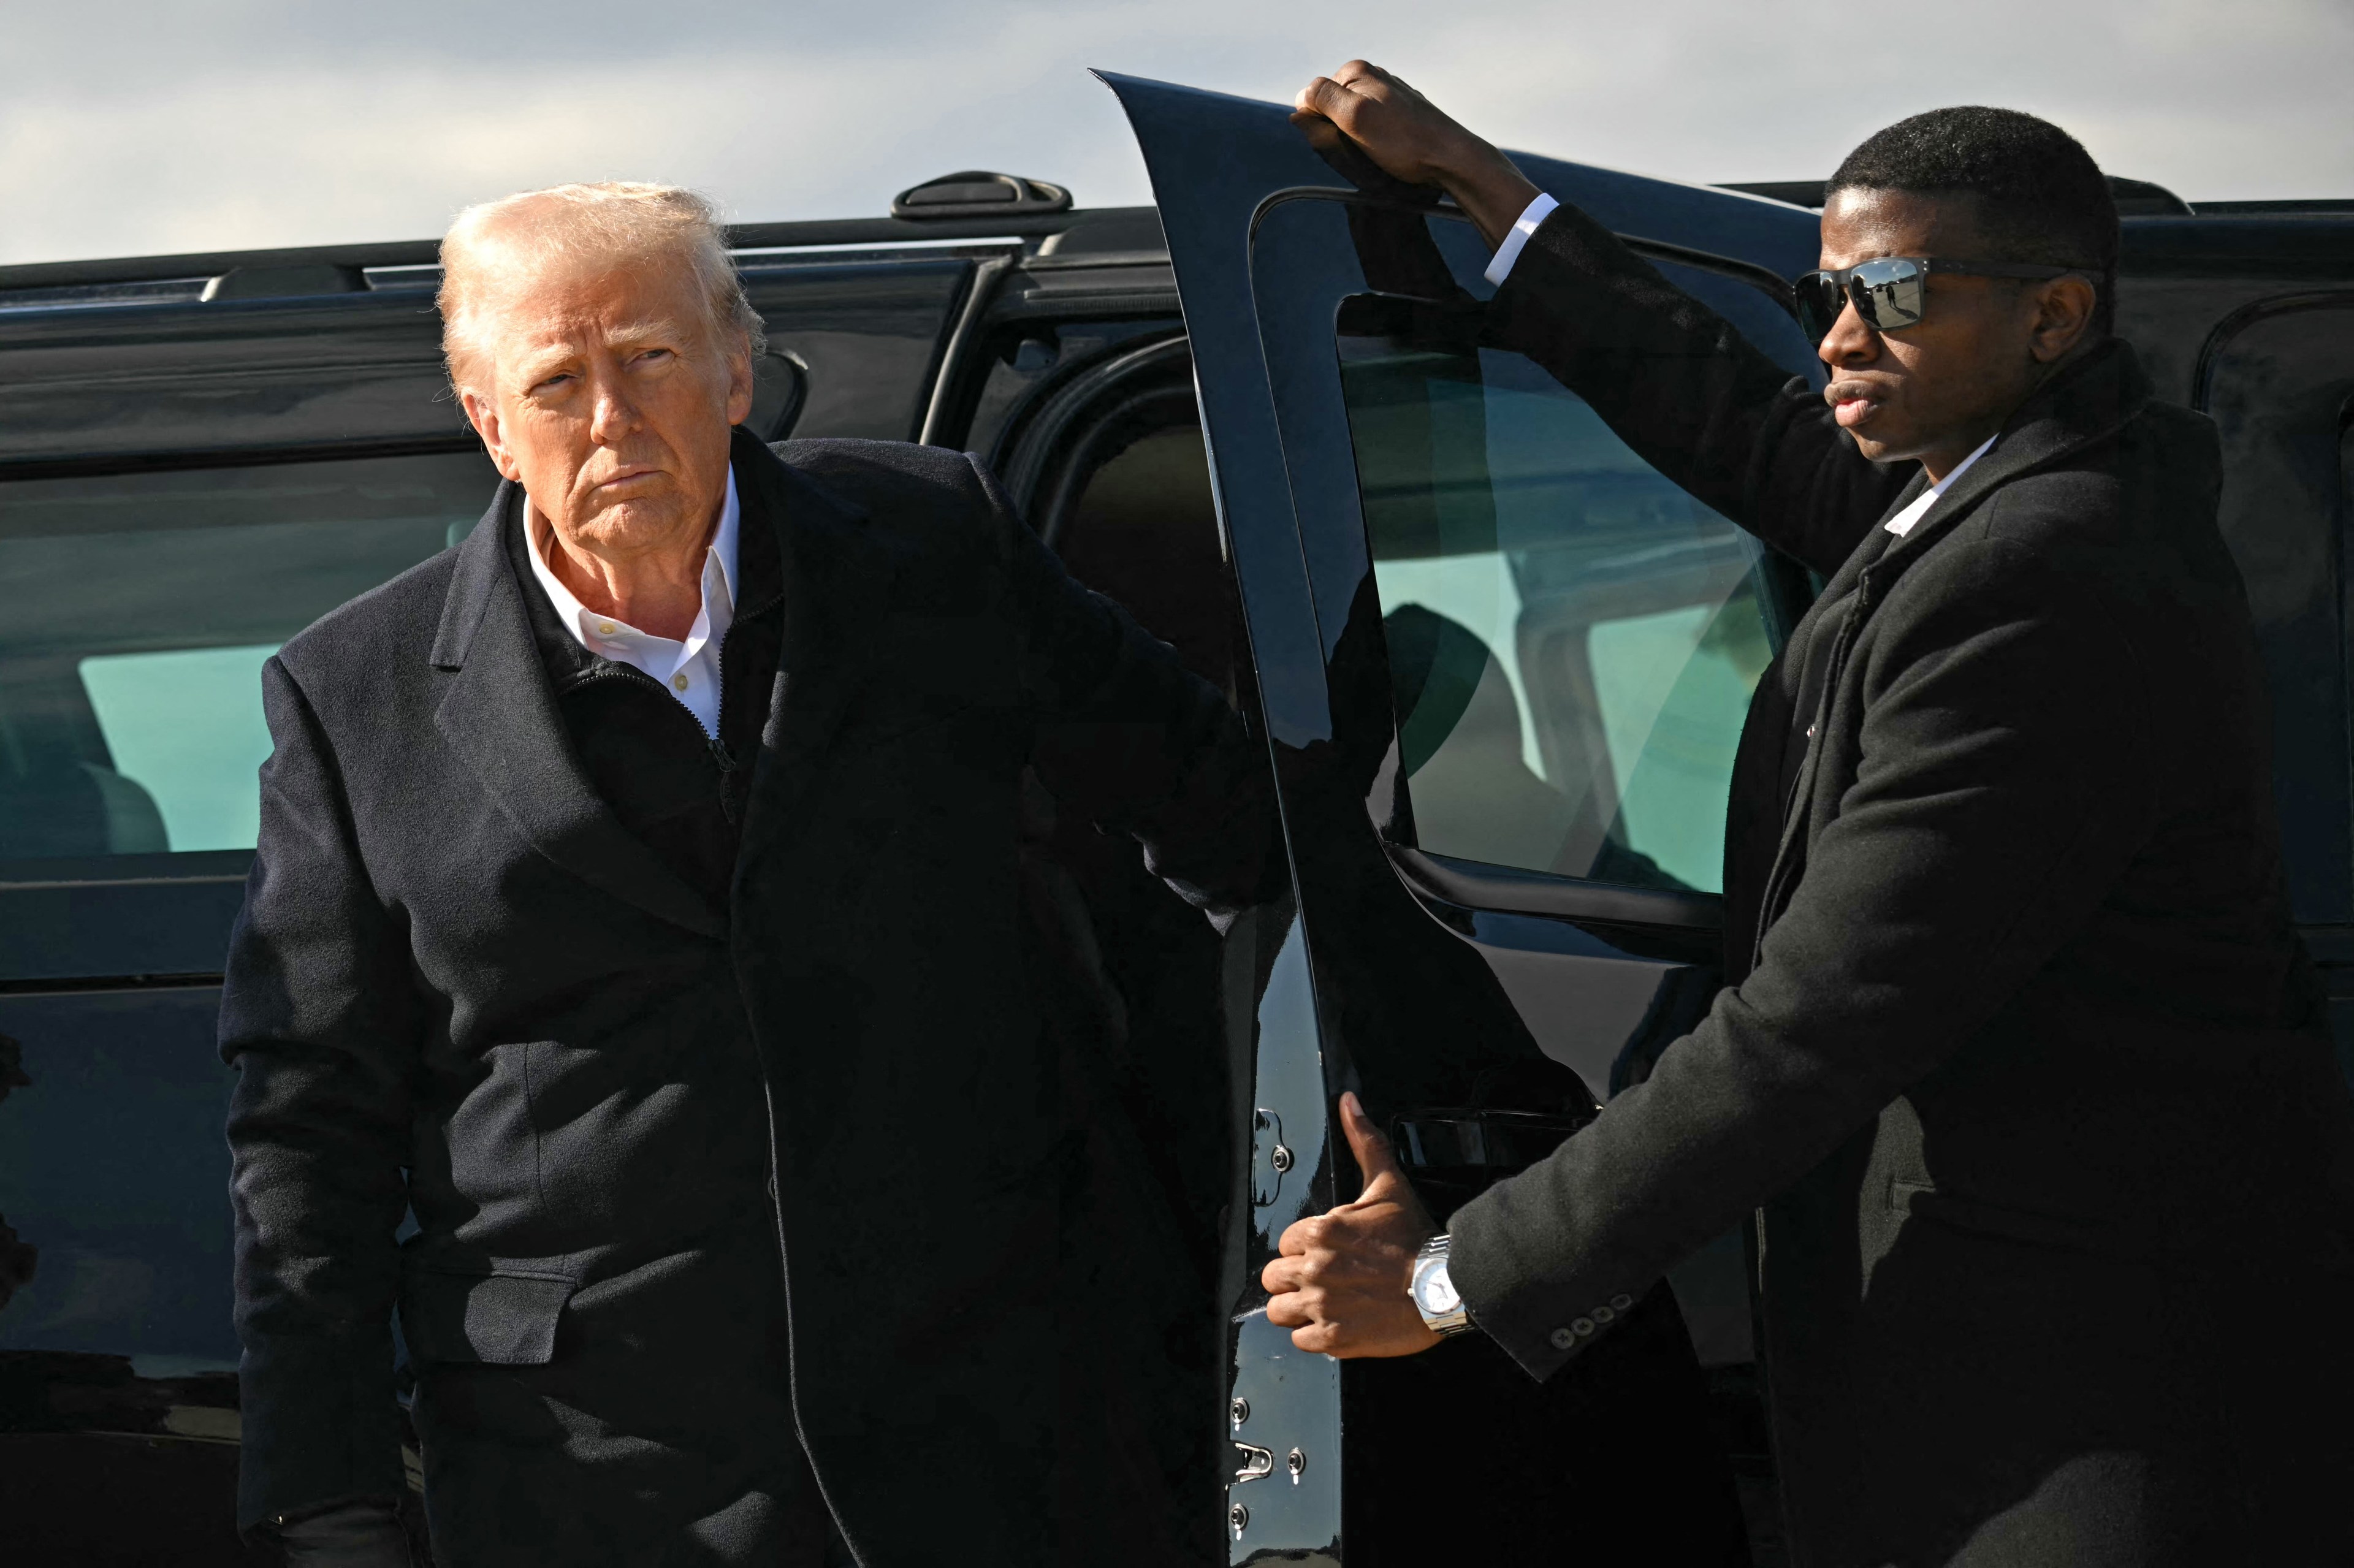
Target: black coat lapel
499,716
838,574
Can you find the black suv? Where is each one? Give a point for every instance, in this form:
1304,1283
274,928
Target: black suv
1500,663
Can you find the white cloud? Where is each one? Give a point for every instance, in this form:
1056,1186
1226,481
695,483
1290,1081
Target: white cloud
145,127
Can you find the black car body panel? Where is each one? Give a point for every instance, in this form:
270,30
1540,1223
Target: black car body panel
184,480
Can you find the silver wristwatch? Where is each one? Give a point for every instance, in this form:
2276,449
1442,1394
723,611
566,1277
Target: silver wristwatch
1433,1290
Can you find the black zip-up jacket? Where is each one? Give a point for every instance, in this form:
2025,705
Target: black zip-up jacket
707,1173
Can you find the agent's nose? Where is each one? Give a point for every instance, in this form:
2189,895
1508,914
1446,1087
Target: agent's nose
1850,341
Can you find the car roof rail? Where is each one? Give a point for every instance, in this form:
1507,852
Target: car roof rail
979,193
2134,198
285,281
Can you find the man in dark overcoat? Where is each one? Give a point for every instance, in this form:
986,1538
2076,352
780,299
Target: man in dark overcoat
2020,1060
636,903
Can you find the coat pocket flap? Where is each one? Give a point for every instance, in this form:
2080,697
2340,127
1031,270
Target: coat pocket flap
502,1320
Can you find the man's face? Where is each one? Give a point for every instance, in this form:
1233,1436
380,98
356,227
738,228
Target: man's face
607,395
1936,389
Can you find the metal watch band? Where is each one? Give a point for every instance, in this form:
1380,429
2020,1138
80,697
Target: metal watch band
1429,1260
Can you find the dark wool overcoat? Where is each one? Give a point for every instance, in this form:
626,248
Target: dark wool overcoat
699,1187
2022,1058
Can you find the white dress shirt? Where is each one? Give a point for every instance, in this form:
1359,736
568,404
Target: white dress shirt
1902,524
1509,251
689,671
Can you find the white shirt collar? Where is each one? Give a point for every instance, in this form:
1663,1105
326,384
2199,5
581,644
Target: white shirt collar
1902,524
689,670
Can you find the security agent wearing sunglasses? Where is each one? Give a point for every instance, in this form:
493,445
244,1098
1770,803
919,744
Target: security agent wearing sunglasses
2018,1064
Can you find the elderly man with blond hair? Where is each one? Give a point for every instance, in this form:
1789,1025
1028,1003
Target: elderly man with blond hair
636,905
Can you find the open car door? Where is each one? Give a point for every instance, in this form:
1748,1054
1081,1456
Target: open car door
1504,666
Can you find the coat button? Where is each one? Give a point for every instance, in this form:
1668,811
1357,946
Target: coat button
1562,1338
1583,1325
1622,1302
1603,1314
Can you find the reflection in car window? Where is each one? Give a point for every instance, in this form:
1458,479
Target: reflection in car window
142,607
1573,639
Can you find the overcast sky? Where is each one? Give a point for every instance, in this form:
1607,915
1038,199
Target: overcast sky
143,126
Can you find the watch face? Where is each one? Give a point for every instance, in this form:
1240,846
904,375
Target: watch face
1434,1291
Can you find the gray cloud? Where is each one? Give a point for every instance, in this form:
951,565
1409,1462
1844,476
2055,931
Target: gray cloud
145,126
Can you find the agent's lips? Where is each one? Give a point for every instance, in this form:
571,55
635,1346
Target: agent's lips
1852,402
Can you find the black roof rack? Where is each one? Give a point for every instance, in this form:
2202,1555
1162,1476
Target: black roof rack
991,224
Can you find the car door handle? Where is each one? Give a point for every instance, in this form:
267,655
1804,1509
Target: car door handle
1469,1140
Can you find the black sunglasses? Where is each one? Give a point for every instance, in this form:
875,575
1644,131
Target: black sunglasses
1891,291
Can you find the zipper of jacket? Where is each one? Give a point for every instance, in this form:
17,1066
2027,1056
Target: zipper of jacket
615,670
720,752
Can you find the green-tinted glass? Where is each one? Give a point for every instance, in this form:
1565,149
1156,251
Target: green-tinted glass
141,607
1573,639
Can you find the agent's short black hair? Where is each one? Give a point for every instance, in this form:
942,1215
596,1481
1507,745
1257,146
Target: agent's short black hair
2040,198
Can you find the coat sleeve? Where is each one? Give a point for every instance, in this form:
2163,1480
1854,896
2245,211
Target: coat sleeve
1128,736
2003,786
320,1018
1680,384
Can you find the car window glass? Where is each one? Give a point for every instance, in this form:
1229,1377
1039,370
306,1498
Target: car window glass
142,607
1573,639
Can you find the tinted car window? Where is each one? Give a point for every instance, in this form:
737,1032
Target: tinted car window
140,607
1573,639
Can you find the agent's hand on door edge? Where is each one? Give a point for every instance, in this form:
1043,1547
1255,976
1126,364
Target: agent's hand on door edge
1339,1283
1412,140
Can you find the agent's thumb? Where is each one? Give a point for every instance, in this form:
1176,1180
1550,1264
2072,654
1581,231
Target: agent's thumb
1375,1157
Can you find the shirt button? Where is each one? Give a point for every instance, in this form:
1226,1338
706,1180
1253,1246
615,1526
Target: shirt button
1562,1338
679,681
607,628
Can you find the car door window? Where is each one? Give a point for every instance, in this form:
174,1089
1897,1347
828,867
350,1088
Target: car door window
142,607
1573,639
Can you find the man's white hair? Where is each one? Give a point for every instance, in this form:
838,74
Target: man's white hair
615,221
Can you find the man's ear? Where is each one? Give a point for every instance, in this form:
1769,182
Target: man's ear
483,415
2064,315
740,382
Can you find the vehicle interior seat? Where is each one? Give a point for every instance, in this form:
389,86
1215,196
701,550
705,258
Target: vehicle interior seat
77,809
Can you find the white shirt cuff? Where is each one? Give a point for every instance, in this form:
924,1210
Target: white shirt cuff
1510,250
